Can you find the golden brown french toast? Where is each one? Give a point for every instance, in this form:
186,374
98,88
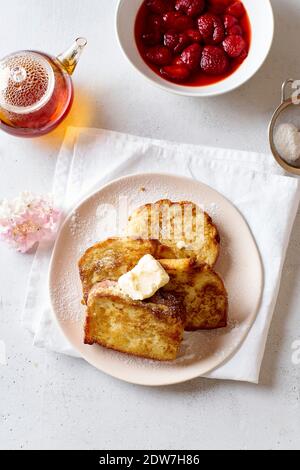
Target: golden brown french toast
182,226
114,257
151,329
202,292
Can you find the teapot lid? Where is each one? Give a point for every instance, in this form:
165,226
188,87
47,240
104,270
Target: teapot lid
26,82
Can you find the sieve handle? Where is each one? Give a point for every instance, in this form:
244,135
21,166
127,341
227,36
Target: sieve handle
284,93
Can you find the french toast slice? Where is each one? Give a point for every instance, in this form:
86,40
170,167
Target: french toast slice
114,257
183,226
150,329
201,291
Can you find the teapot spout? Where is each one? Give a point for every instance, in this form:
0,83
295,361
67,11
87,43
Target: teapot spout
70,58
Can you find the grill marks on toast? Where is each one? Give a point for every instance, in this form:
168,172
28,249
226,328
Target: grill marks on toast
173,222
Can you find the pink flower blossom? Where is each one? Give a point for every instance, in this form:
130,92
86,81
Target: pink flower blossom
28,220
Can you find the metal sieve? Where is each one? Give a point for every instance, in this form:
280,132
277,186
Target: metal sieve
287,106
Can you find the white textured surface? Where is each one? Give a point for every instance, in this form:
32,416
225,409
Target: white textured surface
48,401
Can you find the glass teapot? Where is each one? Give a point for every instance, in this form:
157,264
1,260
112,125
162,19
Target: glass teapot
36,90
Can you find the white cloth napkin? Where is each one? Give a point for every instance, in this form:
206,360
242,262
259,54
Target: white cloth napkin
89,158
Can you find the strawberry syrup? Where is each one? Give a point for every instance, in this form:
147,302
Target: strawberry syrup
198,78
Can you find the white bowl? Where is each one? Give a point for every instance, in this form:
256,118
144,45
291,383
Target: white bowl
262,23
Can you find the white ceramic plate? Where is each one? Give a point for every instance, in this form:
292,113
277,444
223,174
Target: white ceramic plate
262,24
239,265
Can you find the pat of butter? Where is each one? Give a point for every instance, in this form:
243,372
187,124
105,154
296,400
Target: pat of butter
144,280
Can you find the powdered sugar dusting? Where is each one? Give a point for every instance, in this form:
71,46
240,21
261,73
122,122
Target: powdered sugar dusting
213,210
195,347
95,221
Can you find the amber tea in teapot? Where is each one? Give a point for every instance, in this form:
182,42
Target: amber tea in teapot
36,90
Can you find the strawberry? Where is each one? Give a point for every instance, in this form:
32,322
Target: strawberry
214,60
236,9
191,56
159,7
178,73
235,30
211,28
177,21
229,21
176,41
218,7
154,23
151,39
194,35
171,39
190,7
183,41
243,54
177,61
153,32
234,45
159,55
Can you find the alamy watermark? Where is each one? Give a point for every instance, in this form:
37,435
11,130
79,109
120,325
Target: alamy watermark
2,353
177,221
296,352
